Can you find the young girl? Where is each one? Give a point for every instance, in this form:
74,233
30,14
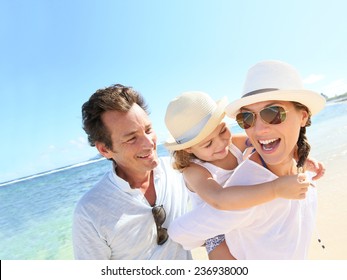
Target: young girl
207,155
274,110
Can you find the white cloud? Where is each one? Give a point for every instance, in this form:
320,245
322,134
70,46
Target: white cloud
313,78
332,89
75,151
80,142
336,87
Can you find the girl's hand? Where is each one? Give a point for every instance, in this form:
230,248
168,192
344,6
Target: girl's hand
292,187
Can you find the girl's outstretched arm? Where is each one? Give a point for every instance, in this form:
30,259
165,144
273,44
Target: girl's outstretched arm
200,181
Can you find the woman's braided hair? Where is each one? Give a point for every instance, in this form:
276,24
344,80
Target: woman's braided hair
303,147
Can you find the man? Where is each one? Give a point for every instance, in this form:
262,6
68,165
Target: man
125,215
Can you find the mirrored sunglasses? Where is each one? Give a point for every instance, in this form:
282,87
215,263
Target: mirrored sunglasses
269,115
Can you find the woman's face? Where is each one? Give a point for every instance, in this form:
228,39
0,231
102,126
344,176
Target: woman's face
276,142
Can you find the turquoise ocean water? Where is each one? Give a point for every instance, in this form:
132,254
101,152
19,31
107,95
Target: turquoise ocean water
36,212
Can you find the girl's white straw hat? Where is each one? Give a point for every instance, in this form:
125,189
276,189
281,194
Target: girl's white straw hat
275,80
191,117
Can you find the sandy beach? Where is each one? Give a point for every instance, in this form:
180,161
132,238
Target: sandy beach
332,211
329,145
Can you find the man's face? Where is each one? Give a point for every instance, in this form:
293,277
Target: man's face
133,140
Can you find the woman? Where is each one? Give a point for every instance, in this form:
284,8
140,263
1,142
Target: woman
274,110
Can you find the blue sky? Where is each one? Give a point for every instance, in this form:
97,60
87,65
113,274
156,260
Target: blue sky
56,53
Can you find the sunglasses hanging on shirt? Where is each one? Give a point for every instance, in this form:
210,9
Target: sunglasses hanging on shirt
159,216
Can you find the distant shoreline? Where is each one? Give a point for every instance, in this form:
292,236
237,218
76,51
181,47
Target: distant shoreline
29,177
338,98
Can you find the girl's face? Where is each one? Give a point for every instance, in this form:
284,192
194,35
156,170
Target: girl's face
276,143
215,146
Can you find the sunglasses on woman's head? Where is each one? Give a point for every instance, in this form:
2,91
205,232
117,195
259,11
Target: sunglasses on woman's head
271,115
159,216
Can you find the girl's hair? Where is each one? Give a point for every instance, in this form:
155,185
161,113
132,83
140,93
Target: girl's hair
182,159
303,147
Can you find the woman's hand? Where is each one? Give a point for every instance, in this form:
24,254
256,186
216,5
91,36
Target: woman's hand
316,167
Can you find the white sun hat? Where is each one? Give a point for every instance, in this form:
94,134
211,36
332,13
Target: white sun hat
275,80
191,117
